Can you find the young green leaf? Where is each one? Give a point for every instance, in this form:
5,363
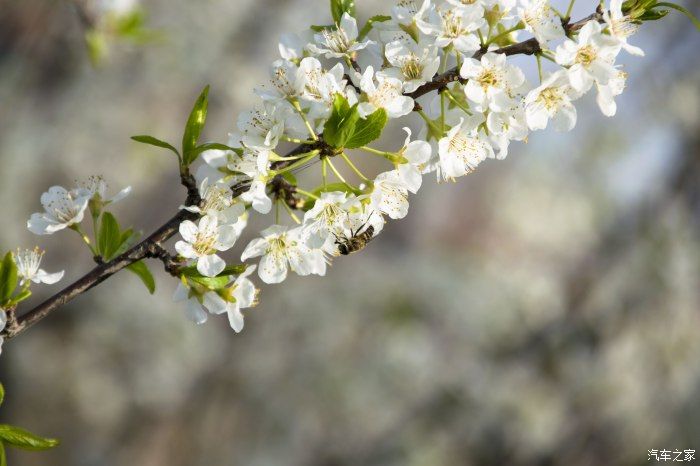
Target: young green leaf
193,129
367,130
2,394
108,237
21,438
683,10
150,140
140,269
8,277
338,7
370,24
3,458
341,123
212,283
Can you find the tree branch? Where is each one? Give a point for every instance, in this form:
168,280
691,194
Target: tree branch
152,247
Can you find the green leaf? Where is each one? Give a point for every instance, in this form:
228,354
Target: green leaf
21,296
212,283
108,237
370,24
338,7
8,277
130,24
341,124
195,123
96,45
20,438
367,130
3,458
683,10
2,393
145,139
140,269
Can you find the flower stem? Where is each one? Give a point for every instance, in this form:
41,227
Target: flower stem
324,172
291,213
297,107
339,176
304,158
454,100
305,193
353,167
571,7
85,238
539,66
297,140
505,33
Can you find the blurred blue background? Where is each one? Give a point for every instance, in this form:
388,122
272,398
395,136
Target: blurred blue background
542,311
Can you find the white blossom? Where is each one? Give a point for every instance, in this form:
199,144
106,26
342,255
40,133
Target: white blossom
281,249
283,80
412,63
455,26
390,194
327,218
510,125
340,41
262,128
590,58
241,294
493,83
291,47
417,154
97,187
463,148
202,241
620,26
62,209
318,87
383,91
541,20
552,100
28,262
608,92
406,12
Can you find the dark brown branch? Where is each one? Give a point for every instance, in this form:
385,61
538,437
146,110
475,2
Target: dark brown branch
151,247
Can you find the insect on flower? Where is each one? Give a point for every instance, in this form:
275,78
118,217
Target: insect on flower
356,241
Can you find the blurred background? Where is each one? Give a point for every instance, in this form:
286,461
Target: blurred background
545,310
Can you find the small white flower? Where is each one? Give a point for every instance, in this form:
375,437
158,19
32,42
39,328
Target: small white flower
283,78
407,11
412,63
217,201
455,26
203,241
291,47
417,153
262,128
241,294
552,100
390,194
198,303
493,83
507,126
386,93
541,20
328,217
608,92
590,58
62,208
463,148
318,87
621,27
281,249
97,187
28,262
339,42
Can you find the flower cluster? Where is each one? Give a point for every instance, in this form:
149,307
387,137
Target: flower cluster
371,75
330,94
